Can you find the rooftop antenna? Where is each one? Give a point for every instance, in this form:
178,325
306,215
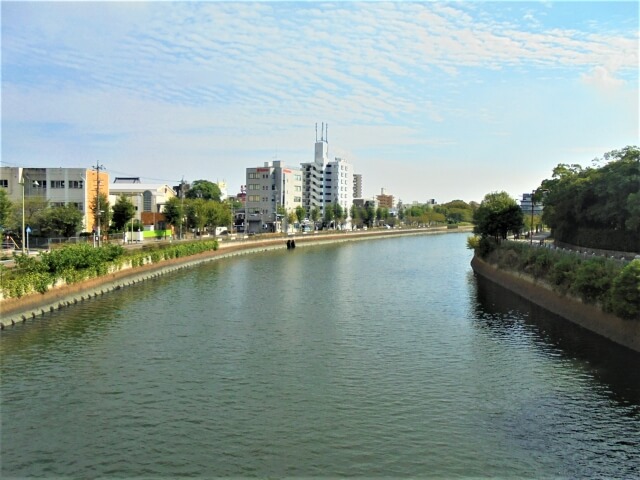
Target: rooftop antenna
322,137
327,134
316,132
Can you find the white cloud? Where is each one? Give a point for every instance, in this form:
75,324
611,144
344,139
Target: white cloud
600,78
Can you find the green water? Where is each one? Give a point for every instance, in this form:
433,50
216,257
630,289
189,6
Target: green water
379,358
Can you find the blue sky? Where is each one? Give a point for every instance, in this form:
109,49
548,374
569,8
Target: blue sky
427,100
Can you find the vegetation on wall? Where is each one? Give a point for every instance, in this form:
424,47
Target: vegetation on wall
612,284
75,263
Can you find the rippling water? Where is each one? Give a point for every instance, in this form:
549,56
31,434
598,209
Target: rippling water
381,358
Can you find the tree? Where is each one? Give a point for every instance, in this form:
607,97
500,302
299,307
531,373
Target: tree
62,221
123,211
497,215
300,213
174,211
102,215
197,213
204,189
315,215
5,208
596,206
32,208
338,213
218,214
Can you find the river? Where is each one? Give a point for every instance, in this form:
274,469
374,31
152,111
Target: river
377,358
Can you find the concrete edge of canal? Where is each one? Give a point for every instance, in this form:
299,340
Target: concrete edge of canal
623,332
20,310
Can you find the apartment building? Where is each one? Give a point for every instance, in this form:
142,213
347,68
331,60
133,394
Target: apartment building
326,182
270,190
385,200
357,185
58,186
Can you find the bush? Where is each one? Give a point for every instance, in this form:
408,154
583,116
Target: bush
563,272
625,293
593,281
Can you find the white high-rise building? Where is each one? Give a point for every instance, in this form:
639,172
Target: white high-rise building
326,182
271,190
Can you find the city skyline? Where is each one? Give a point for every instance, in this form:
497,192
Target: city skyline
427,100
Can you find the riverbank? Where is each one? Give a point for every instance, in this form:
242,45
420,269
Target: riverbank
622,332
28,307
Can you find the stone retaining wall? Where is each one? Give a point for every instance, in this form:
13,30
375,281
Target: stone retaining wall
622,332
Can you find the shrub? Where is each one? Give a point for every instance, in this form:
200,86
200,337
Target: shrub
593,280
625,293
563,272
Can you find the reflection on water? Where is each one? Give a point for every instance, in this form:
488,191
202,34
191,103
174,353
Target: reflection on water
382,358
515,319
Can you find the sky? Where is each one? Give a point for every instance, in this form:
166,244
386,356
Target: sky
426,99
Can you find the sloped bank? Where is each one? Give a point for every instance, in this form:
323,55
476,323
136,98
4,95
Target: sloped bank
19,310
620,331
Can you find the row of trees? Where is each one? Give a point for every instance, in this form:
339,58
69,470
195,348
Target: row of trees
598,206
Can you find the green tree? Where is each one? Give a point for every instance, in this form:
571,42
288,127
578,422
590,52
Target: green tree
300,213
498,215
174,211
62,221
204,189
123,211
596,206
5,208
218,214
101,212
197,213
338,213
315,215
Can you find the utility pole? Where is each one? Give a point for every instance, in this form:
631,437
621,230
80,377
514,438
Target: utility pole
181,205
97,168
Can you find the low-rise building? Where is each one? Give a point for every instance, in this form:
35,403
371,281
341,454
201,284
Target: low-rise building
59,187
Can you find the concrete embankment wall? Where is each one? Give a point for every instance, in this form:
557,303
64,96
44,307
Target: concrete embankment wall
18,310
622,332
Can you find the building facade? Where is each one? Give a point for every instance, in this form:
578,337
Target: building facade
326,182
272,191
148,200
385,200
357,185
530,207
58,187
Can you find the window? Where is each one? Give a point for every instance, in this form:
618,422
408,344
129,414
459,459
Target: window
76,184
146,201
4,183
253,175
57,183
254,186
254,198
